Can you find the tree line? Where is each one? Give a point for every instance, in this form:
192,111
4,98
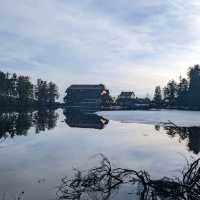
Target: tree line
184,93
19,90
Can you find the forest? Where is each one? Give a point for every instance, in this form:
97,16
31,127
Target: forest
182,94
19,91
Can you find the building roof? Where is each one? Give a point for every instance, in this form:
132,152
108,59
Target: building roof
126,95
88,87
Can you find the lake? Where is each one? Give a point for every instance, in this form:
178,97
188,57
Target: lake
38,149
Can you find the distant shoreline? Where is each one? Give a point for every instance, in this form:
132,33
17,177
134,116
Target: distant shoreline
120,108
113,108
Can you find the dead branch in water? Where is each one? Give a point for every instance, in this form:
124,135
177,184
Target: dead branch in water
103,180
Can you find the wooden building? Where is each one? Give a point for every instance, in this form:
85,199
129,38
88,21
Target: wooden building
86,98
126,99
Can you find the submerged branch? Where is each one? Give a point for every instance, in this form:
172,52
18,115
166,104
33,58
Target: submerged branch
104,180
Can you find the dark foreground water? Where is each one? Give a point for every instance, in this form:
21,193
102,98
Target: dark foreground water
38,149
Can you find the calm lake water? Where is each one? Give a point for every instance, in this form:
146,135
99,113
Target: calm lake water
38,149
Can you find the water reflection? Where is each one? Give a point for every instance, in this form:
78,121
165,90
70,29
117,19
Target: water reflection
18,123
81,120
45,119
191,134
12,124
25,160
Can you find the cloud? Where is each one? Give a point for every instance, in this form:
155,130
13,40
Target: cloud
124,44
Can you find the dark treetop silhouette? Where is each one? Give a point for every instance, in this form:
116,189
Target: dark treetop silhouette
20,91
185,93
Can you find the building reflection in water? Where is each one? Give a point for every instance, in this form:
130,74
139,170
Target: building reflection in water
84,120
191,134
18,123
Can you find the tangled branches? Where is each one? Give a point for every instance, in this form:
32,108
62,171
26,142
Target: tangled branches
104,180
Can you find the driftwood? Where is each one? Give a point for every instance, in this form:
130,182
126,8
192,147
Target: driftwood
104,180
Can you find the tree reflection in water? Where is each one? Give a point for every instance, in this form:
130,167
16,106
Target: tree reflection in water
45,119
18,123
191,134
101,182
12,124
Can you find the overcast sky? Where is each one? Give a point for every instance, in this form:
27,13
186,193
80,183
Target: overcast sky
125,44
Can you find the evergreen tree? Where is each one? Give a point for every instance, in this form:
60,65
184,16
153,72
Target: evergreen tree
19,89
158,96
13,85
41,92
24,89
2,83
194,86
52,92
171,92
182,99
